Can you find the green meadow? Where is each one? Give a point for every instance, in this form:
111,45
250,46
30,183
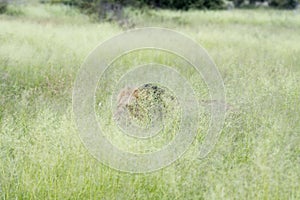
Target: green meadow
257,155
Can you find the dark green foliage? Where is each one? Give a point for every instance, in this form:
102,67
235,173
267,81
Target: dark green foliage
183,4
167,4
238,3
94,5
3,6
287,4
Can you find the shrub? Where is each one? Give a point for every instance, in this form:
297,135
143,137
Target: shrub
168,4
183,4
287,4
3,6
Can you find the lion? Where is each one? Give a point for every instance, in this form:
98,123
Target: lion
143,103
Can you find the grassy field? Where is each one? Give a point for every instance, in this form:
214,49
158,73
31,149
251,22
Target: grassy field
257,155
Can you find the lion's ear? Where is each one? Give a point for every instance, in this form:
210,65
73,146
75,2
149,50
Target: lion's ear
135,93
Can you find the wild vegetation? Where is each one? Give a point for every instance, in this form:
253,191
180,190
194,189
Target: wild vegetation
257,155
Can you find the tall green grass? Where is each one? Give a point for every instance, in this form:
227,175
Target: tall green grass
257,155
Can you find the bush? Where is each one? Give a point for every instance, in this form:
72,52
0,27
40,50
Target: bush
183,4
3,6
287,4
167,4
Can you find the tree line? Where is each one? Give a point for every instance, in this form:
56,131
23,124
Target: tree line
93,6
187,4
